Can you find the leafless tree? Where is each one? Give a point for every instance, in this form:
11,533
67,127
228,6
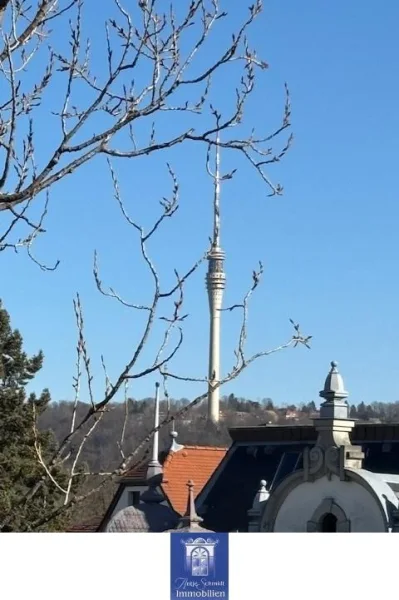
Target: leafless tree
78,93
164,45
70,450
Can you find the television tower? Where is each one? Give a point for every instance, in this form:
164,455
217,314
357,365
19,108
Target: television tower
215,283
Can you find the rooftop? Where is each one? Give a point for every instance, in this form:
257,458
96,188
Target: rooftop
271,453
180,464
89,526
192,462
378,432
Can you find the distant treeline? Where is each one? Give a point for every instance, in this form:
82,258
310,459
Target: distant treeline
102,452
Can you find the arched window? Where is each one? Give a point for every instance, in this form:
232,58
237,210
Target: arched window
328,518
328,523
199,562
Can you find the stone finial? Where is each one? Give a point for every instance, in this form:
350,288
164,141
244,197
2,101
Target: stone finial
334,450
175,446
194,518
334,385
261,496
334,394
191,519
255,513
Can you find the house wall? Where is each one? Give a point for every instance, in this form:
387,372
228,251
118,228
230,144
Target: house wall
356,501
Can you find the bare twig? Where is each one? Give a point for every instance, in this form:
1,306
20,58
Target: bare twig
123,432
39,452
83,347
127,464
138,38
109,99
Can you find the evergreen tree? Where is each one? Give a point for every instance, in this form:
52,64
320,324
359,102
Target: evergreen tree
361,410
353,412
20,468
269,404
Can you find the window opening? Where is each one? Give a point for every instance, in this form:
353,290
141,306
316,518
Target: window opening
328,523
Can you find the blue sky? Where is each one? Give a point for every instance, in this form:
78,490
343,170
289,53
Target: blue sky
329,244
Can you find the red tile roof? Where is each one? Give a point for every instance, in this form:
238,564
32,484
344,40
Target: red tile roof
197,463
137,474
192,462
87,527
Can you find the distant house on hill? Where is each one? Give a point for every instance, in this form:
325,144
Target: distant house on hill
292,415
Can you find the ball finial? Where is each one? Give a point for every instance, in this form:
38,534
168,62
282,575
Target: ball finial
334,364
263,482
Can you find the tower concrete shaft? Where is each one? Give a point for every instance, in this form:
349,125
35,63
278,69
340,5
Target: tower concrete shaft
215,281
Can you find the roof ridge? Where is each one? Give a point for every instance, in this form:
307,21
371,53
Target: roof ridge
166,459
204,447
170,455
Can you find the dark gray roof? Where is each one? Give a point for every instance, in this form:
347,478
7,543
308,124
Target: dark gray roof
272,460
144,518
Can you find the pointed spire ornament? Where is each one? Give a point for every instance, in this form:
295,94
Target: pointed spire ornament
334,393
333,452
335,405
191,520
175,447
154,471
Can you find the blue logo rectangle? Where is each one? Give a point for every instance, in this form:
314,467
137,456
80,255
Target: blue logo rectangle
199,565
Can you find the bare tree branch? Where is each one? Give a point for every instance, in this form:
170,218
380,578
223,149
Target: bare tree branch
99,108
123,432
127,464
143,37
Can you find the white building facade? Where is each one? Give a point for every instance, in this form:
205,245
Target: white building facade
332,493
